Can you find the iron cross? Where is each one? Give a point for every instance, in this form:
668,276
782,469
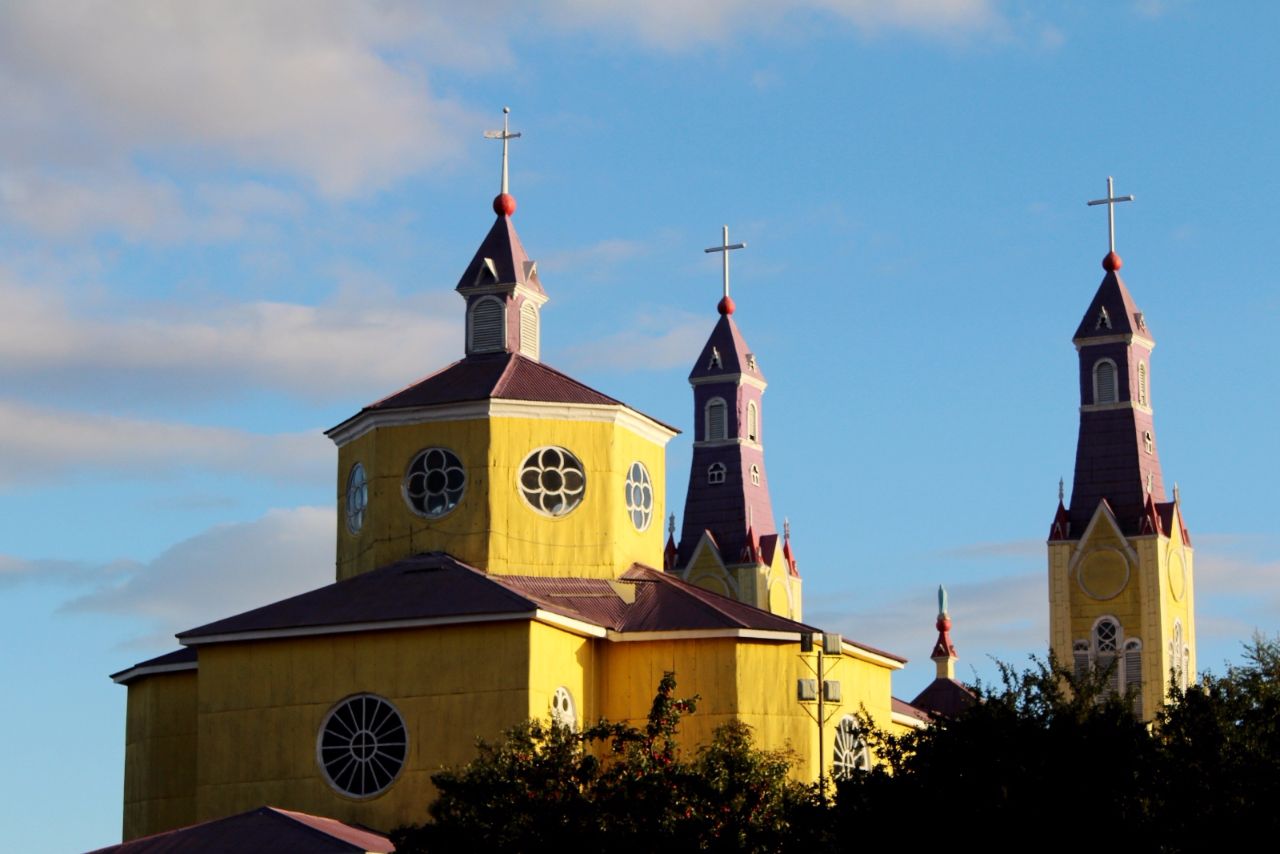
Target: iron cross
724,249
1111,201
504,135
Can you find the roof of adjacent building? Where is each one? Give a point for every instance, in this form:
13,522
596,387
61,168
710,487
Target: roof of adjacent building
262,829
170,662
902,707
946,697
728,342
502,249
1122,312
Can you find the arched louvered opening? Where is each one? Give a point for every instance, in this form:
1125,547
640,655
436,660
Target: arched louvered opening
753,421
529,330
1106,646
1133,673
717,426
486,326
1142,383
1179,656
1104,381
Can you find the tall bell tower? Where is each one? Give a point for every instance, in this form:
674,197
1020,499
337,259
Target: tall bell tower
1120,559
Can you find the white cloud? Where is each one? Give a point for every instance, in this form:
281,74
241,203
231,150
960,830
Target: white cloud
600,260
38,445
333,92
675,25
351,344
655,342
219,572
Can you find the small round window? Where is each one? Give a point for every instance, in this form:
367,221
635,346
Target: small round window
362,746
562,711
552,481
639,496
357,498
434,483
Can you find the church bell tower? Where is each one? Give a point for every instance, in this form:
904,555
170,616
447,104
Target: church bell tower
1120,558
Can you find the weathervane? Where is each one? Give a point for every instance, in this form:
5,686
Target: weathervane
1110,201
724,249
504,135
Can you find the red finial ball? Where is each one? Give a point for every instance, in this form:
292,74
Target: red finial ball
1112,262
725,306
504,204
944,623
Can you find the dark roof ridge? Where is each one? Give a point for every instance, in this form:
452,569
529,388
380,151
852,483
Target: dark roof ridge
698,594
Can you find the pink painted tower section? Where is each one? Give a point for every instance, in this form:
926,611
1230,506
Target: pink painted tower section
728,489
1116,454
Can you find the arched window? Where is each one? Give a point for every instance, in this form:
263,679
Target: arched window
486,326
1080,658
1179,656
1133,673
529,330
850,753
715,473
753,422
755,475
1142,383
717,421
1104,381
1106,646
1148,441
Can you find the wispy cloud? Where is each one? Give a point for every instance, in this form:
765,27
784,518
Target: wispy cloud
600,260
40,445
348,345
653,342
1011,548
217,573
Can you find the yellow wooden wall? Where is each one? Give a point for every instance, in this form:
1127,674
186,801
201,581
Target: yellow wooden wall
160,753
493,527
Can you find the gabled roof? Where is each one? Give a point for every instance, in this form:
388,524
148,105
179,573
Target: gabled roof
501,259
945,697
1123,314
263,829
728,343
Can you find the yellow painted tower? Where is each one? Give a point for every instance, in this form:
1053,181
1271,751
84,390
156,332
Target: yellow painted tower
1121,591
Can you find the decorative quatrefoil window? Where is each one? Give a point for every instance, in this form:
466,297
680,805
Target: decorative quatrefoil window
553,481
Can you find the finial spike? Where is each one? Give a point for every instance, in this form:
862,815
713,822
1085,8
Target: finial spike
942,601
671,525
786,528
1060,491
1177,498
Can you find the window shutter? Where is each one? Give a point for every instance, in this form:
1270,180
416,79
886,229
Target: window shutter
529,330
488,329
1133,673
716,428
1142,383
1080,654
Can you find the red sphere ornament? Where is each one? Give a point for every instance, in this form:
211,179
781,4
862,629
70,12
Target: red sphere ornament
725,306
1112,262
944,623
504,204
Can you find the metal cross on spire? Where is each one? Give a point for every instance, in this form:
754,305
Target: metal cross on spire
1111,201
504,135
724,249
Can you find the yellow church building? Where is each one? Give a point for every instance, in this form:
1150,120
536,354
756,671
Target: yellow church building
500,556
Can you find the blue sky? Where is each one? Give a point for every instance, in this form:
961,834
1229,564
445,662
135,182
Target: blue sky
224,228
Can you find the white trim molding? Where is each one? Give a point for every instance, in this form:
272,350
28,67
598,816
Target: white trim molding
124,677
738,379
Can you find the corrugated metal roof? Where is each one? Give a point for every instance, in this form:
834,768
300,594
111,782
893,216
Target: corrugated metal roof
502,248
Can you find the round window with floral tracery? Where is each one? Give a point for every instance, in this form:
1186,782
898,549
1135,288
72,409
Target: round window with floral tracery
639,496
362,746
851,752
553,481
434,482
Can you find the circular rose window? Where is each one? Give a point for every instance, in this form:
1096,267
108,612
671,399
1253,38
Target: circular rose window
552,481
434,482
362,746
639,496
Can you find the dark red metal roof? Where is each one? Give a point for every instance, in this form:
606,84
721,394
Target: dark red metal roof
511,265
902,707
1122,312
183,656
263,829
944,697
728,342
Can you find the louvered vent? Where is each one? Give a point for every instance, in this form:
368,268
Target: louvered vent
1104,382
487,329
1133,673
716,428
1142,383
529,330
1080,655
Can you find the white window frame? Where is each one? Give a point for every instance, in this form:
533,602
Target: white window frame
755,474
753,421
724,423
529,329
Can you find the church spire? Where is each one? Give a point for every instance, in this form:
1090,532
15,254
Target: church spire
944,652
1116,457
501,286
